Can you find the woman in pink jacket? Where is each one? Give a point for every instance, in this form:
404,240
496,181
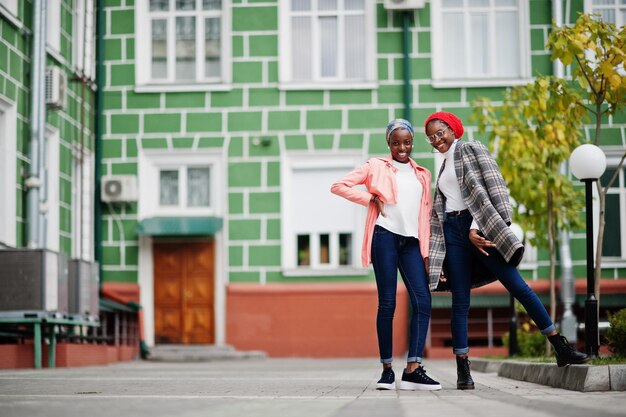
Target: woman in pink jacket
397,233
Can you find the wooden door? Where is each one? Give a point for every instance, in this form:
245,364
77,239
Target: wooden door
184,292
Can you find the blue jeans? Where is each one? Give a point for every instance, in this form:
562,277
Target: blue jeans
390,253
460,253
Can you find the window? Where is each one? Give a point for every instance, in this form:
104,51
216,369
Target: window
8,158
324,249
82,203
10,6
321,231
180,183
328,41
610,11
185,187
183,42
480,42
53,25
612,243
613,11
83,32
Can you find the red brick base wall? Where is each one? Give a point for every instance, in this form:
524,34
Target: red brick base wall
310,320
67,355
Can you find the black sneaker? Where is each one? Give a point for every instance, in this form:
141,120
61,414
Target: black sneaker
387,380
418,380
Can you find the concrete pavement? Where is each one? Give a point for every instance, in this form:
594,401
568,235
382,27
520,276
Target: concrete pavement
280,388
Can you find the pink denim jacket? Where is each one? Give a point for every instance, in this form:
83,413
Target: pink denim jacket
378,176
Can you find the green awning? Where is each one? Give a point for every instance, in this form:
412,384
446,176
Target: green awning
179,226
115,307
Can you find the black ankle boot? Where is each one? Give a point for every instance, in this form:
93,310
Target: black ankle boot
464,378
565,353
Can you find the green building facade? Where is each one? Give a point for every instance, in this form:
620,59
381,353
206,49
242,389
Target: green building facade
67,154
224,124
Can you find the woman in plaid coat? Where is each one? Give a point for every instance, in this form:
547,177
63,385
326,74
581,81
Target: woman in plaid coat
471,240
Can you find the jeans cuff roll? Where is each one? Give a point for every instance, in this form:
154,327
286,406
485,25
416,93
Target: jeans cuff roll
548,330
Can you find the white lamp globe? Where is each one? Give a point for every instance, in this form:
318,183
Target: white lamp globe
587,162
517,231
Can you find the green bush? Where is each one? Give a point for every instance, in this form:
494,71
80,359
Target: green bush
616,334
529,343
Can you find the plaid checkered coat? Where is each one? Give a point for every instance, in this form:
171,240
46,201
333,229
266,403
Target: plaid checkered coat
486,196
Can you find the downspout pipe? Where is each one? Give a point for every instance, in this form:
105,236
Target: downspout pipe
37,140
558,69
98,136
406,46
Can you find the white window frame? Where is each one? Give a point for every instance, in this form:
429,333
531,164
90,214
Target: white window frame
143,49
83,172
183,185
592,8
618,188
530,260
51,189
9,9
438,52
8,165
53,26
83,38
152,162
290,163
285,58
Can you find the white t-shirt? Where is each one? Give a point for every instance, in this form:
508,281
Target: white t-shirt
449,186
402,217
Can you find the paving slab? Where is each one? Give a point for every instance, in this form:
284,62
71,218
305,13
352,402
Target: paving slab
281,388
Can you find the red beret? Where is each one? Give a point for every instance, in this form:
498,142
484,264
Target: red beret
450,119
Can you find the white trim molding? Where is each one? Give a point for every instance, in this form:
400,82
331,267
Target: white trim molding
149,162
8,166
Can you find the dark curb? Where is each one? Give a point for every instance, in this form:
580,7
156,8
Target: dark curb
584,378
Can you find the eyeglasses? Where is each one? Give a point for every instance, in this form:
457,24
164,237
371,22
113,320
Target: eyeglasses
437,135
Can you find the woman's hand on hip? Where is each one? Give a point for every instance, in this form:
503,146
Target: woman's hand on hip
380,206
480,242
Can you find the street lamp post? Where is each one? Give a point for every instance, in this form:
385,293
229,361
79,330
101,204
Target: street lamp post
588,163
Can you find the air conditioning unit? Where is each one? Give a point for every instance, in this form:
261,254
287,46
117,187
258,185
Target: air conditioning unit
83,288
33,280
119,188
56,85
404,4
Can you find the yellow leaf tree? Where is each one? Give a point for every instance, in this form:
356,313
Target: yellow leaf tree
532,133
596,52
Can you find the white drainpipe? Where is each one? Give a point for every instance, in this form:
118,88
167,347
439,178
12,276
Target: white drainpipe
557,15
36,147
